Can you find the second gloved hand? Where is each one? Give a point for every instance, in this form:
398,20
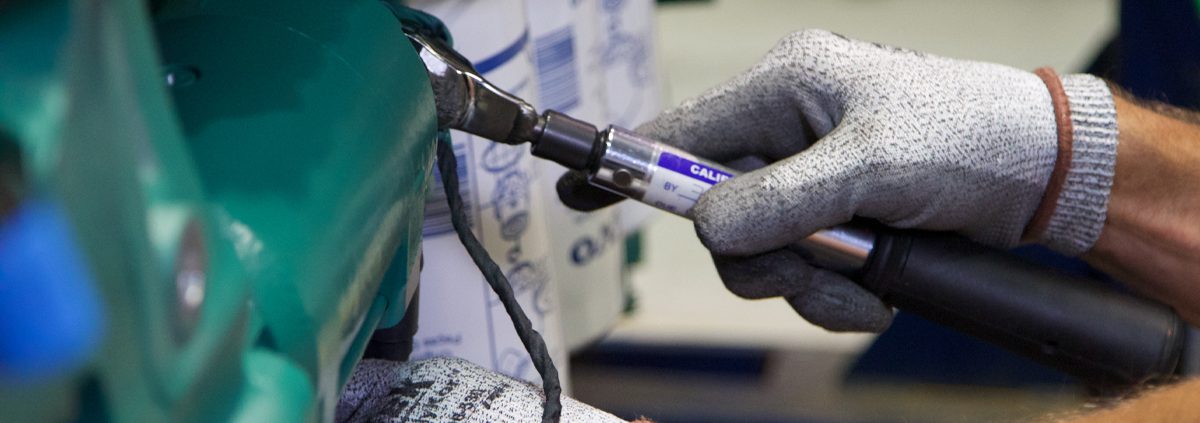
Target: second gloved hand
912,140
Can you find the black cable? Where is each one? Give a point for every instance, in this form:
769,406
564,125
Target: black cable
534,344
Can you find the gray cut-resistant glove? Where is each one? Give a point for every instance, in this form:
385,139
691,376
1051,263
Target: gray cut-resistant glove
909,139
447,389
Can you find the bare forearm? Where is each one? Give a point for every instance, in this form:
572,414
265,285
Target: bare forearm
1175,403
1151,238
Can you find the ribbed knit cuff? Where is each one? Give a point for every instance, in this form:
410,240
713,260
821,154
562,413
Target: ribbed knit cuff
1083,203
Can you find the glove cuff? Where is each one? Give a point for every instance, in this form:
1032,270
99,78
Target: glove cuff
1082,205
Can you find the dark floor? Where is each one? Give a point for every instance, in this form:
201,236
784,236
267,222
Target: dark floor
681,384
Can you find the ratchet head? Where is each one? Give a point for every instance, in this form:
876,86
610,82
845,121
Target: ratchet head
469,103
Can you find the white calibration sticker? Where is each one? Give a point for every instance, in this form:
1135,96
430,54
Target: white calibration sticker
678,182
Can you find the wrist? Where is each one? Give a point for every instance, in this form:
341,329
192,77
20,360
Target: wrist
1082,205
1074,206
1155,186
1151,238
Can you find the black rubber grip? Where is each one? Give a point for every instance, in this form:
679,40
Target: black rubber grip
1076,325
567,141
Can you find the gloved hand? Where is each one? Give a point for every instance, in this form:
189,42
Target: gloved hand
447,389
909,139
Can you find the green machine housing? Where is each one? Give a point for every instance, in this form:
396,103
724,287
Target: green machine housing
245,181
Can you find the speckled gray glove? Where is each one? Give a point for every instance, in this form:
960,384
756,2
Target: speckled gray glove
447,390
909,139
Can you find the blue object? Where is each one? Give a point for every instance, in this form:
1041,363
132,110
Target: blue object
1156,53
50,315
919,351
1159,51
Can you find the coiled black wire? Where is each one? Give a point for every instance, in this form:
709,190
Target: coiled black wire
534,344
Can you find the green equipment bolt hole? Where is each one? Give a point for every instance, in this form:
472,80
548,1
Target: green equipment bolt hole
179,76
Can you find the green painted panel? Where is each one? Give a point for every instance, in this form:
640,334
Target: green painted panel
286,161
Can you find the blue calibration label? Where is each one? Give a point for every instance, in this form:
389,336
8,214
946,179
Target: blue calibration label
698,171
679,180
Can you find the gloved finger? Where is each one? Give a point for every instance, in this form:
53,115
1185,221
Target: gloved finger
777,205
576,193
768,112
764,111
822,297
839,305
777,273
